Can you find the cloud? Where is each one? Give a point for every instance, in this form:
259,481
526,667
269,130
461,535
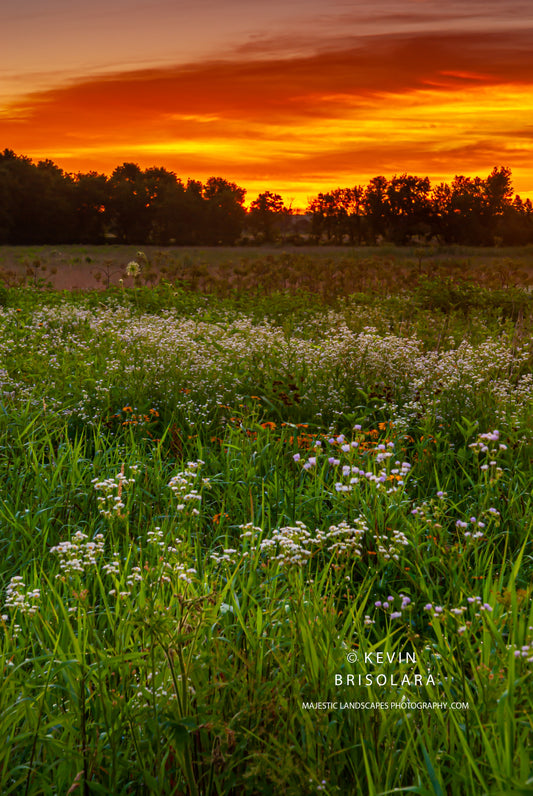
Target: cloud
362,67
378,104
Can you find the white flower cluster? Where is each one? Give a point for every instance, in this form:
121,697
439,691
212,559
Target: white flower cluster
77,554
175,350
148,692
390,546
490,445
395,476
227,556
179,569
182,483
250,530
481,443
172,565
133,268
110,502
288,545
113,567
156,538
18,599
295,544
343,538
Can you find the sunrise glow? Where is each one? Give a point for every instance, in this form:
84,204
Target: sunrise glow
345,98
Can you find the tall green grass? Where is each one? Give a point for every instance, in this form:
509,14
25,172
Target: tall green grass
188,591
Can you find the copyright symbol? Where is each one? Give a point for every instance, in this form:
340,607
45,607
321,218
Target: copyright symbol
351,657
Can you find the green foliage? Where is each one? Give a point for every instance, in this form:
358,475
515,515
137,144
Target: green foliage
449,296
209,503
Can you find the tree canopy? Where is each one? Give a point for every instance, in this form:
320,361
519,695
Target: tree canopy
40,203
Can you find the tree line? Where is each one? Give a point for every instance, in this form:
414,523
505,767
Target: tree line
42,204
470,211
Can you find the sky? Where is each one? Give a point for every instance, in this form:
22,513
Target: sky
291,96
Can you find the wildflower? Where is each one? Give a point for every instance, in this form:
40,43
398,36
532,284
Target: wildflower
21,599
110,504
133,268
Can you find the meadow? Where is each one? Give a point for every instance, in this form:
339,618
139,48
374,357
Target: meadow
266,523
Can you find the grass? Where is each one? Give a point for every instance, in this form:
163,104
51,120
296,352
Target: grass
265,547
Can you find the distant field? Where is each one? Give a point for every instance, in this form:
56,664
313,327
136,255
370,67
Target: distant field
316,268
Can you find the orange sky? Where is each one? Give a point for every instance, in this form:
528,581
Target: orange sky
288,99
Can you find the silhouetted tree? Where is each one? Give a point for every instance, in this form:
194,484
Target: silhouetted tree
351,200
498,190
165,199
8,197
515,223
128,204
40,203
39,199
55,197
377,208
224,212
409,211
328,218
90,196
265,215
191,222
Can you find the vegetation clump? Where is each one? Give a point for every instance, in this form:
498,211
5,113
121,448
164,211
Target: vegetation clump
266,544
